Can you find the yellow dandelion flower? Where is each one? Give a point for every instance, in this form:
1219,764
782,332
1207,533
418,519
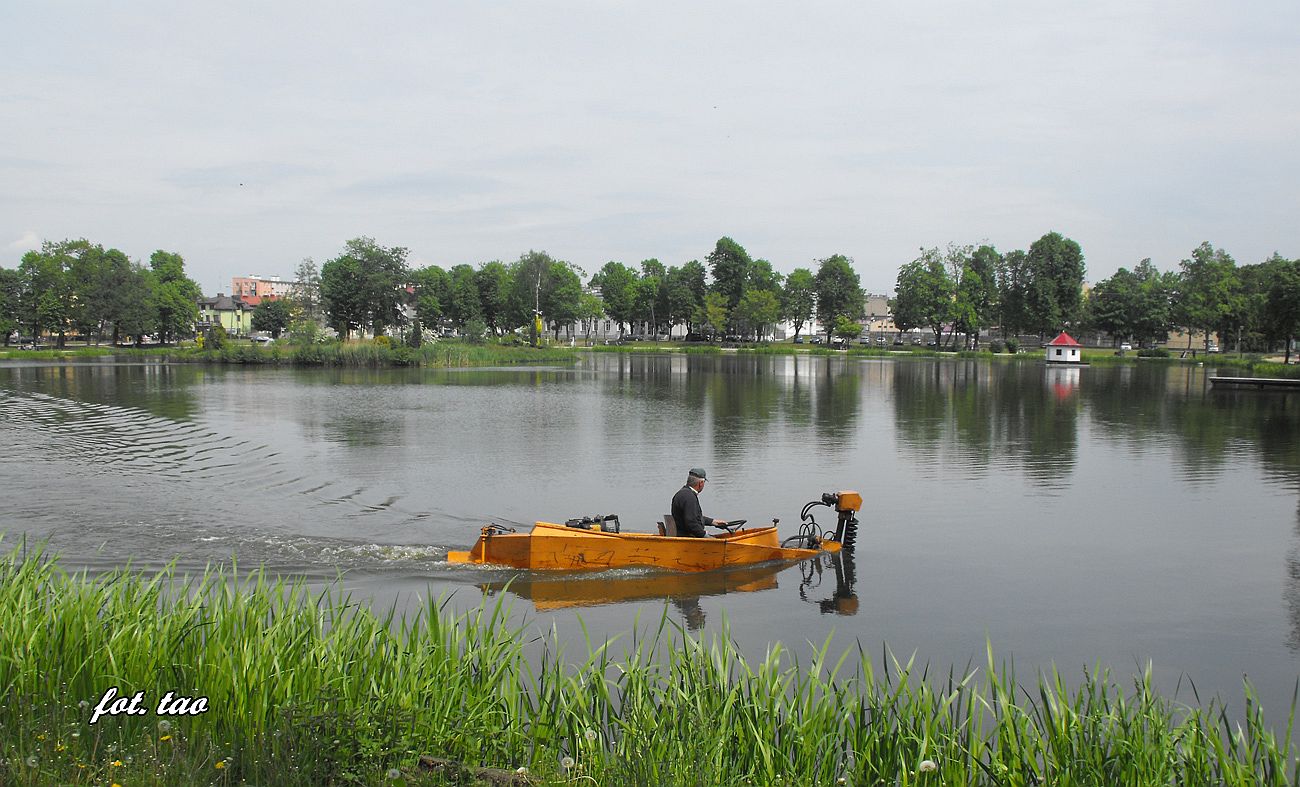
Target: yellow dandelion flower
59,747
115,784
165,738
116,763
220,764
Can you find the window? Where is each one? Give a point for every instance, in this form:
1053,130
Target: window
1058,351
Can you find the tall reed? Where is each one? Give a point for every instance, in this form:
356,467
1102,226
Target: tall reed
314,688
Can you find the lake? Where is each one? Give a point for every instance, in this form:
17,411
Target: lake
1109,515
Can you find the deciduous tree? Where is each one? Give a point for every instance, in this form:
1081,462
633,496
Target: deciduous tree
799,298
839,292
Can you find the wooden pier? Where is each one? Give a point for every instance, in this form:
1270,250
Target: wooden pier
1258,383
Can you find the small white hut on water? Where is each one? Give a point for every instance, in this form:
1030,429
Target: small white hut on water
1064,349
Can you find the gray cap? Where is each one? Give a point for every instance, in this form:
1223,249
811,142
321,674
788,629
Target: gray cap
698,472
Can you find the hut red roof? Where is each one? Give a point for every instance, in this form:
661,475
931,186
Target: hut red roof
1063,340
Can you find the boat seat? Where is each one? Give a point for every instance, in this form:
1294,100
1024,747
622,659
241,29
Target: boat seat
669,527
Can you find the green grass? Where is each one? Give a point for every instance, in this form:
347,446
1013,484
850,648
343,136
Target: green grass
440,354
88,352
316,689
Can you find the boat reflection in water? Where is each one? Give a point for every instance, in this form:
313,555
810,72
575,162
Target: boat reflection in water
813,588
615,587
549,592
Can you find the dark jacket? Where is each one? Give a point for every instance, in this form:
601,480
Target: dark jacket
686,512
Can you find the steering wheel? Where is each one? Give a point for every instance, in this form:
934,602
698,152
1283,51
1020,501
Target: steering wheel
732,525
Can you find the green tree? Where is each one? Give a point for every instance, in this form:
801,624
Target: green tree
590,309
839,292
686,294
343,294
924,294
176,296
304,293
757,311
463,301
549,286
1283,304
432,285
977,293
10,292
272,316
799,298
363,286
617,285
713,314
730,265
494,286
1055,293
1205,287
563,296
48,292
137,309
1013,293
846,328
646,301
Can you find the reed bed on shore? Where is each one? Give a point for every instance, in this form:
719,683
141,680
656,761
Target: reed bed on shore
315,688
443,354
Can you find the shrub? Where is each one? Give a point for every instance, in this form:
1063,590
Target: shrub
383,341
996,347
1013,345
1153,352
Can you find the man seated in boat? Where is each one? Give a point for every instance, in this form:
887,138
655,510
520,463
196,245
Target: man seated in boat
686,510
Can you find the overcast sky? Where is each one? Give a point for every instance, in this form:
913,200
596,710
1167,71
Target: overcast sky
247,136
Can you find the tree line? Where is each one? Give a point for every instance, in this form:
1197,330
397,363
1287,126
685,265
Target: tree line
966,290
367,285
74,286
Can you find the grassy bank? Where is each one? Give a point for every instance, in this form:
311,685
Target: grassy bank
440,354
315,689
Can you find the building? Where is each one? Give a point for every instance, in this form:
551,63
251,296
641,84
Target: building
1063,349
253,288
229,311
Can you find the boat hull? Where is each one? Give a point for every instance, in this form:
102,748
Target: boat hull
558,547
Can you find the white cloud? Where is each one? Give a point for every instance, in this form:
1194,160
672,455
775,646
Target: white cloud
29,240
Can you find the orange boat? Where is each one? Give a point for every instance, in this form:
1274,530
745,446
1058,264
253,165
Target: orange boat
592,544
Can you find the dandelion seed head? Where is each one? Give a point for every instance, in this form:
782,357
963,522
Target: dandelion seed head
32,762
566,763
393,773
927,766
591,735
83,704
165,725
522,770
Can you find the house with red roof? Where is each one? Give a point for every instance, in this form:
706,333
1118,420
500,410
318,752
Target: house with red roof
1064,349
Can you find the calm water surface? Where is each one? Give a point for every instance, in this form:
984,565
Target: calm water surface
1105,515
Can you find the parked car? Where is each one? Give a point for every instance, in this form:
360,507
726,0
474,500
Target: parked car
1125,346
1213,348
817,340
916,340
880,340
898,341
798,340
864,340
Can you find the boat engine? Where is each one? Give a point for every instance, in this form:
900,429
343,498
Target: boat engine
846,505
